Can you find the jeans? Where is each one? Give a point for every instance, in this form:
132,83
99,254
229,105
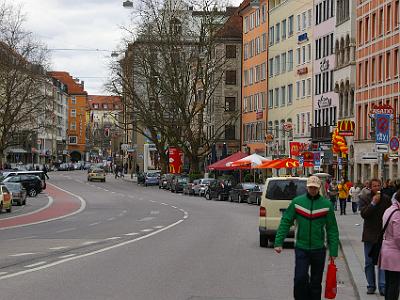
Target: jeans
370,270
392,285
354,207
342,205
308,287
334,202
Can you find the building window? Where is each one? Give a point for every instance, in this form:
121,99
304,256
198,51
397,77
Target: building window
366,30
283,95
276,97
297,89
229,132
308,86
396,14
105,106
380,22
290,60
230,77
73,100
388,61
396,62
271,99
230,51
284,29
278,32
290,25
73,140
95,105
277,64
373,70
283,56
290,94
230,103
73,113
271,67
373,26
380,67
73,126
389,17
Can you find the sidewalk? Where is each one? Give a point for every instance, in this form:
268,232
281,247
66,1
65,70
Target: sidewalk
128,178
350,231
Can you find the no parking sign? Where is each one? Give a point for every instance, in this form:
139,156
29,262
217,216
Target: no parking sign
394,144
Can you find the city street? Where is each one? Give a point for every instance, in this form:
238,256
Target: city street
126,241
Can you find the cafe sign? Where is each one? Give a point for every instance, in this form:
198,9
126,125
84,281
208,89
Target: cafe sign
324,102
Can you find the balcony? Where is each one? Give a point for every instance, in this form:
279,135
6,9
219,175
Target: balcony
321,133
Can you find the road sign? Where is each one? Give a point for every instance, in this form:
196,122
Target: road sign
394,143
382,128
382,148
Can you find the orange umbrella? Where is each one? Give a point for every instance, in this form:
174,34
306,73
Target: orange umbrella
288,163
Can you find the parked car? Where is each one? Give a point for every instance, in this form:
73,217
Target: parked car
201,186
31,183
151,178
140,177
218,189
39,174
255,195
18,192
276,197
170,178
240,192
5,199
178,183
188,189
97,174
163,180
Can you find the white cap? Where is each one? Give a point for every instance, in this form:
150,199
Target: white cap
313,181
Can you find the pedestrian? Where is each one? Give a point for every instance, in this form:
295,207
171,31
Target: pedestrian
372,207
354,194
349,185
314,215
333,192
390,251
116,171
389,188
45,172
343,194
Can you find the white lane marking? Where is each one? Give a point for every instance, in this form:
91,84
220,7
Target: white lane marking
90,253
181,210
66,256
83,206
95,223
66,230
50,202
146,219
164,203
89,243
36,264
21,254
105,190
147,230
58,248
185,216
154,212
112,192
131,233
174,206
151,201
111,219
113,238
23,238
158,227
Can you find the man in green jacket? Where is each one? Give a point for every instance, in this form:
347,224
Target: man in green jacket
314,215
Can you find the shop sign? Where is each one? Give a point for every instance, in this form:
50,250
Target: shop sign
381,109
302,38
259,115
324,102
302,71
287,126
324,65
346,127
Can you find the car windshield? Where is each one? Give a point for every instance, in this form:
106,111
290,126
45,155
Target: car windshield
98,171
152,175
14,187
249,186
285,189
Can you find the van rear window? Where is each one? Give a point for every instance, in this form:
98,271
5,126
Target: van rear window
285,189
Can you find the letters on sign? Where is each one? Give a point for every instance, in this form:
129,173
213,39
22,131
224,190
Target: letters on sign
324,102
324,65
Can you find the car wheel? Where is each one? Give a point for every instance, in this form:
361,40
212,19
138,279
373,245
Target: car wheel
9,209
24,201
230,198
220,197
239,199
32,193
208,196
263,241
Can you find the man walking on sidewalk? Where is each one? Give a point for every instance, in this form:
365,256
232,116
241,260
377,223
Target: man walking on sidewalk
372,207
314,215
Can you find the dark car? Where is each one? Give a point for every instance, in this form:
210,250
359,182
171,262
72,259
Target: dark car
241,191
218,189
255,195
141,177
178,183
18,192
31,183
162,184
40,174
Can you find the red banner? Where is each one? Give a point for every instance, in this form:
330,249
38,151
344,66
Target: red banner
175,160
296,148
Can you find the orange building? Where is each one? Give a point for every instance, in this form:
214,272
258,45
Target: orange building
254,75
377,83
77,106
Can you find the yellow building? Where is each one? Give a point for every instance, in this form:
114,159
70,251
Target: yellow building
289,74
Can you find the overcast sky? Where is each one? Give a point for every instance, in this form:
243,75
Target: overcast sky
79,24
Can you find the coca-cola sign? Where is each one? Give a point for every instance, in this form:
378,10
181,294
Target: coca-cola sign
324,102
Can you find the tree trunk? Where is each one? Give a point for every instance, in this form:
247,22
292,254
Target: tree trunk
195,165
164,163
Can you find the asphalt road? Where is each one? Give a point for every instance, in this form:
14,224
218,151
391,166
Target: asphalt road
132,242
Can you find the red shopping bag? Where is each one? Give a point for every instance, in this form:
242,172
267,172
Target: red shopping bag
331,286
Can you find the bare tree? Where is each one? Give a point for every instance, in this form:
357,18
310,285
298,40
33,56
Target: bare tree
22,78
172,74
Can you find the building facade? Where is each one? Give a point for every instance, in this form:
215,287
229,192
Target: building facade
289,75
377,83
254,74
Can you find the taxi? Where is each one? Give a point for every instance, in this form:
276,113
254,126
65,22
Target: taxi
97,174
5,199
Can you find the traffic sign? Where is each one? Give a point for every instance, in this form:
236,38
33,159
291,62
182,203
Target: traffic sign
382,148
124,147
382,128
394,143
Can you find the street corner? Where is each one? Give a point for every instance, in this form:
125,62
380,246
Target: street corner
61,204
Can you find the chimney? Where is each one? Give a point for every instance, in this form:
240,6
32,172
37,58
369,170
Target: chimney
83,84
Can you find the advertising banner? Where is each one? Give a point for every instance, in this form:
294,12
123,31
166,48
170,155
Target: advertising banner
382,128
175,160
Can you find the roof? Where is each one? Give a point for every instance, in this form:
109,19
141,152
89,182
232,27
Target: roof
232,28
74,88
221,164
111,101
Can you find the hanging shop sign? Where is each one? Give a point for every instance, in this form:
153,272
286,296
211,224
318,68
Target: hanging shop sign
324,102
302,38
381,109
346,127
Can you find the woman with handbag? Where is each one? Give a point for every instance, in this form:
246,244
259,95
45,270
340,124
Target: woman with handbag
390,251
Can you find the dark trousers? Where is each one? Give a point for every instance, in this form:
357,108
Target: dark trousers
342,202
392,285
308,287
334,202
354,207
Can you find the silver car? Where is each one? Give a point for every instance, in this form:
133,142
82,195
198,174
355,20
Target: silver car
201,186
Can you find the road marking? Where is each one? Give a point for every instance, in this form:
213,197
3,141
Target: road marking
111,219
58,248
147,230
146,219
131,234
112,192
67,256
23,238
158,227
164,203
50,202
56,263
36,264
154,212
185,216
95,223
22,254
83,206
113,238
105,189
151,201
174,206
89,243
66,230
